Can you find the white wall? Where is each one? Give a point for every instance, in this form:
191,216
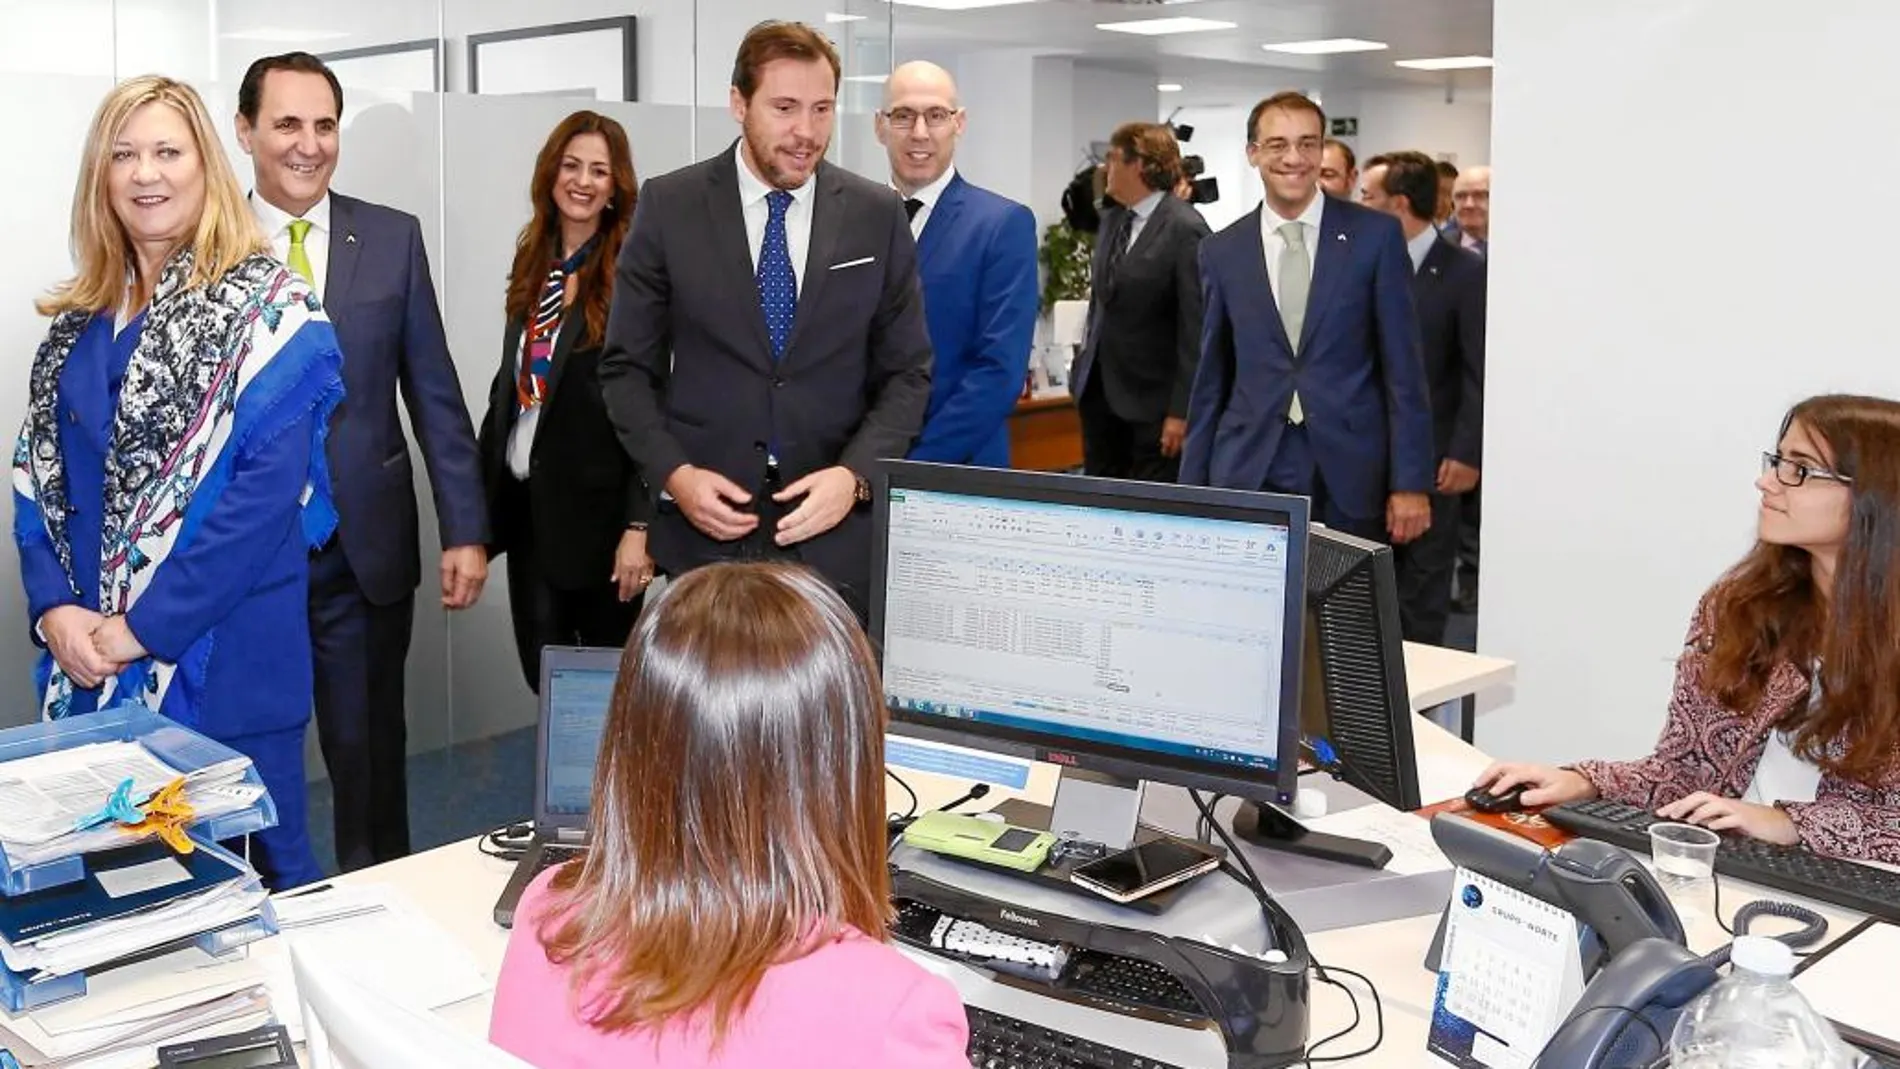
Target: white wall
1389,121
1642,352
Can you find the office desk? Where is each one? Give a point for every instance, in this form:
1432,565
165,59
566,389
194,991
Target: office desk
1045,434
456,885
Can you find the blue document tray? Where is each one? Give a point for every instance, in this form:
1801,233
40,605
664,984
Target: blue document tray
19,995
176,745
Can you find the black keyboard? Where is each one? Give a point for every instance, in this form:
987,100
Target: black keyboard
1795,869
1130,981
553,854
999,1042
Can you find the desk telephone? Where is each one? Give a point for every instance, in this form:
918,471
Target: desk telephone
1640,974
1616,901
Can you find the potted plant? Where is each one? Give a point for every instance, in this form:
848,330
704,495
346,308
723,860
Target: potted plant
1065,256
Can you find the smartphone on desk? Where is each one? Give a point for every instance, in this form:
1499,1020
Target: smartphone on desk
1145,868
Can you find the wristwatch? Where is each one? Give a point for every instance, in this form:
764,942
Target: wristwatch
863,494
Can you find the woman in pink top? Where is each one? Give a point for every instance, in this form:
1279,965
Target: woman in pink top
733,908
1785,721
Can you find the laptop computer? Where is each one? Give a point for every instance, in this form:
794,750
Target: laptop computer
577,686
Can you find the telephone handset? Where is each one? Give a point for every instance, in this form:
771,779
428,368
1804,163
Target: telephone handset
1629,1010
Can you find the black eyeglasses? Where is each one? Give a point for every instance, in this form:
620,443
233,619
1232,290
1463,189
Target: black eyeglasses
1794,472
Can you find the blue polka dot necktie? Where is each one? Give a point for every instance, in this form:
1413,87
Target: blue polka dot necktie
778,285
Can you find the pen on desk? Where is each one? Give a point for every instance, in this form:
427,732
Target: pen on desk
311,889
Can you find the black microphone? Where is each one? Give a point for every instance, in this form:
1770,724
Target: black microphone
977,791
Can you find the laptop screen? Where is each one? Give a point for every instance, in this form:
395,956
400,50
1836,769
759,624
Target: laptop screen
577,700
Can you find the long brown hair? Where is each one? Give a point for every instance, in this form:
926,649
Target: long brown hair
738,807
1767,609
539,243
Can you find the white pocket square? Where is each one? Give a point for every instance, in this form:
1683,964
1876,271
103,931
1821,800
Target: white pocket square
853,263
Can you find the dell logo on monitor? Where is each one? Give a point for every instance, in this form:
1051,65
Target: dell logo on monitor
1055,758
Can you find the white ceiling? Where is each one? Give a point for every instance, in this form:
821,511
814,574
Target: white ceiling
1217,64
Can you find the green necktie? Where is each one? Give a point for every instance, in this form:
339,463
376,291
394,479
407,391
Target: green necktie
1296,277
299,260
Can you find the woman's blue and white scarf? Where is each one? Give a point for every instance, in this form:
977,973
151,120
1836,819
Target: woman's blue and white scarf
256,335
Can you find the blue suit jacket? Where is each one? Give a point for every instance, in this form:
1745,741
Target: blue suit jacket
379,295
1360,371
977,261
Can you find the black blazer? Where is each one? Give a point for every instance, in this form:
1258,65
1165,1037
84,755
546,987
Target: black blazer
583,489
688,370
1448,290
1144,324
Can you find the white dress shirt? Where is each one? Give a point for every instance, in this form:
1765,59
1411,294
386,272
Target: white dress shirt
521,437
1143,209
928,195
752,193
316,243
1272,243
1421,247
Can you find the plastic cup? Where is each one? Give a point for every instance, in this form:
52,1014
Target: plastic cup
1684,854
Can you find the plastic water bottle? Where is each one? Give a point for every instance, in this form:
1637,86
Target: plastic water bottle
1755,1019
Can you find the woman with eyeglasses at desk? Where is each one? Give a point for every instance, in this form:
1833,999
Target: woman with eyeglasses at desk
1785,720
732,909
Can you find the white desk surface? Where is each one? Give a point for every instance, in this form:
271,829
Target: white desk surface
456,885
1435,675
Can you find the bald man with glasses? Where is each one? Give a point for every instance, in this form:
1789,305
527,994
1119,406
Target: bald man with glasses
976,258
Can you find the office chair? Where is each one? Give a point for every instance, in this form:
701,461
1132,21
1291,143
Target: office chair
349,1026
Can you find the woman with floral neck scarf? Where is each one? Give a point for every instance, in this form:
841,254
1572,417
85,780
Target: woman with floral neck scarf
169,481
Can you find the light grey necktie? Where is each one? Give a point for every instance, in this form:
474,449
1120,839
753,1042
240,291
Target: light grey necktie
1296,275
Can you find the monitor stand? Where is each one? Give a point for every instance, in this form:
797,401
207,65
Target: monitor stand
1268,827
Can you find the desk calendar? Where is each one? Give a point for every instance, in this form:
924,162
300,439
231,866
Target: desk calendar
1512,968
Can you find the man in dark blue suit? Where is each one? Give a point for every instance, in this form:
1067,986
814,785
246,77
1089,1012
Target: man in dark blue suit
372,274
976,258
1311,381
1448,289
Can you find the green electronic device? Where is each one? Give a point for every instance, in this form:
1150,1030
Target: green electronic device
989,841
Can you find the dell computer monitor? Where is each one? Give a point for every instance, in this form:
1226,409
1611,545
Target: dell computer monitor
1146,631
1355,695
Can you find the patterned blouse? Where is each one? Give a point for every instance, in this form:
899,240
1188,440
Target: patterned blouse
1708,747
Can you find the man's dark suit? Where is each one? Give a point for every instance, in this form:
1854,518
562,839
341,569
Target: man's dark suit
1143,340
1360,377
560,528
1449,293
688,372
379,294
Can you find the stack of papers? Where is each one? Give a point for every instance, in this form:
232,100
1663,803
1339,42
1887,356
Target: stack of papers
134,1009
132,899
44,798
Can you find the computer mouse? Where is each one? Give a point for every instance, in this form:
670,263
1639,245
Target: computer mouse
1485,802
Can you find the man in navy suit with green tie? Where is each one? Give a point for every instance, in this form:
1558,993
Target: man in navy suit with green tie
976,258
367,263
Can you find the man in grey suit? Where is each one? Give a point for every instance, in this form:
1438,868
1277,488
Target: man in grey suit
767,343
1143,340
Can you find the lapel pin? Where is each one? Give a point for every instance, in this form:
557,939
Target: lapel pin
1341,237
349,239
